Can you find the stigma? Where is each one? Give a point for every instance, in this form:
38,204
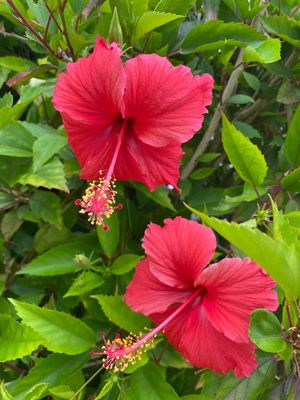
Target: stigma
120,352
98,201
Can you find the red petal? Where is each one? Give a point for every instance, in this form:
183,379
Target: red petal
152,165
235,288
93,145
165,102
179,251
92,89
203,346
148,295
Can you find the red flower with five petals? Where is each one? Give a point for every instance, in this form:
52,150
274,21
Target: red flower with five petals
204,312
128,120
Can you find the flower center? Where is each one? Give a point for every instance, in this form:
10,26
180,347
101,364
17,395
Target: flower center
98,200
121,352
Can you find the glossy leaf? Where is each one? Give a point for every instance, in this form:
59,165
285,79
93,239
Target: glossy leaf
63,332
125,263
292,141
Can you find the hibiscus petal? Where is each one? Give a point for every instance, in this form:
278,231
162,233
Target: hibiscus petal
93,145
203,346
235,288
92,89
151,165
167,103
179,251
148,295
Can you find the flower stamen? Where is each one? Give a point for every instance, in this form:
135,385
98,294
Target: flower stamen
98,200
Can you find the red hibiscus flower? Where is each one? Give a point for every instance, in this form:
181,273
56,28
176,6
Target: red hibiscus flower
204,312
128,120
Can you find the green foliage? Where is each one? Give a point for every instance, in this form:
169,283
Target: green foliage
66,278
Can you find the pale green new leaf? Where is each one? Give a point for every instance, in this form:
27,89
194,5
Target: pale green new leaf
5,395
63,332
266,53
278,259
245,157
151,20
125,263
84,283
17,340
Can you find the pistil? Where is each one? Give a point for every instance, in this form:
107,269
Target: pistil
121,352
98,200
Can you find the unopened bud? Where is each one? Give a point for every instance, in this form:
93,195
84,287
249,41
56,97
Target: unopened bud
115,30
82,261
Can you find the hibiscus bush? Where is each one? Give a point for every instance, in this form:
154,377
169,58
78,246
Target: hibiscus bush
150,209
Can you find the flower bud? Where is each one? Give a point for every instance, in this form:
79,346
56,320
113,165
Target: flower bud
115,30
82,261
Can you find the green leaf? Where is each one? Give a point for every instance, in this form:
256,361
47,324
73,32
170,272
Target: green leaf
45,147
291,181
286,28
15,63
36,392
240,99
52,370
84,283
63,332
266,53
50,176
288,93
248,388
265,331
151,20
212,35
4,392
202,173
109,239
149,383
62,392
15,141
179,7
16,340
247,129
252,80
159,195
10,223
208,157
57,261
292,140
106,388
120,314
52,213
125,263
246,158
278,259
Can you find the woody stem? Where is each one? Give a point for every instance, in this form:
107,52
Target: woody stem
115,156
160,327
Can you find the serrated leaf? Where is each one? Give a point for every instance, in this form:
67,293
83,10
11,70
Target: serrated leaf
17,340
84,283
151,20
51,176
279,260
212,35
291,181
36,392
62,392
63,332
266,53
52,370
292,140
45,147
286,28
125,263
117,311
15,141
245,157
52,213
265,331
